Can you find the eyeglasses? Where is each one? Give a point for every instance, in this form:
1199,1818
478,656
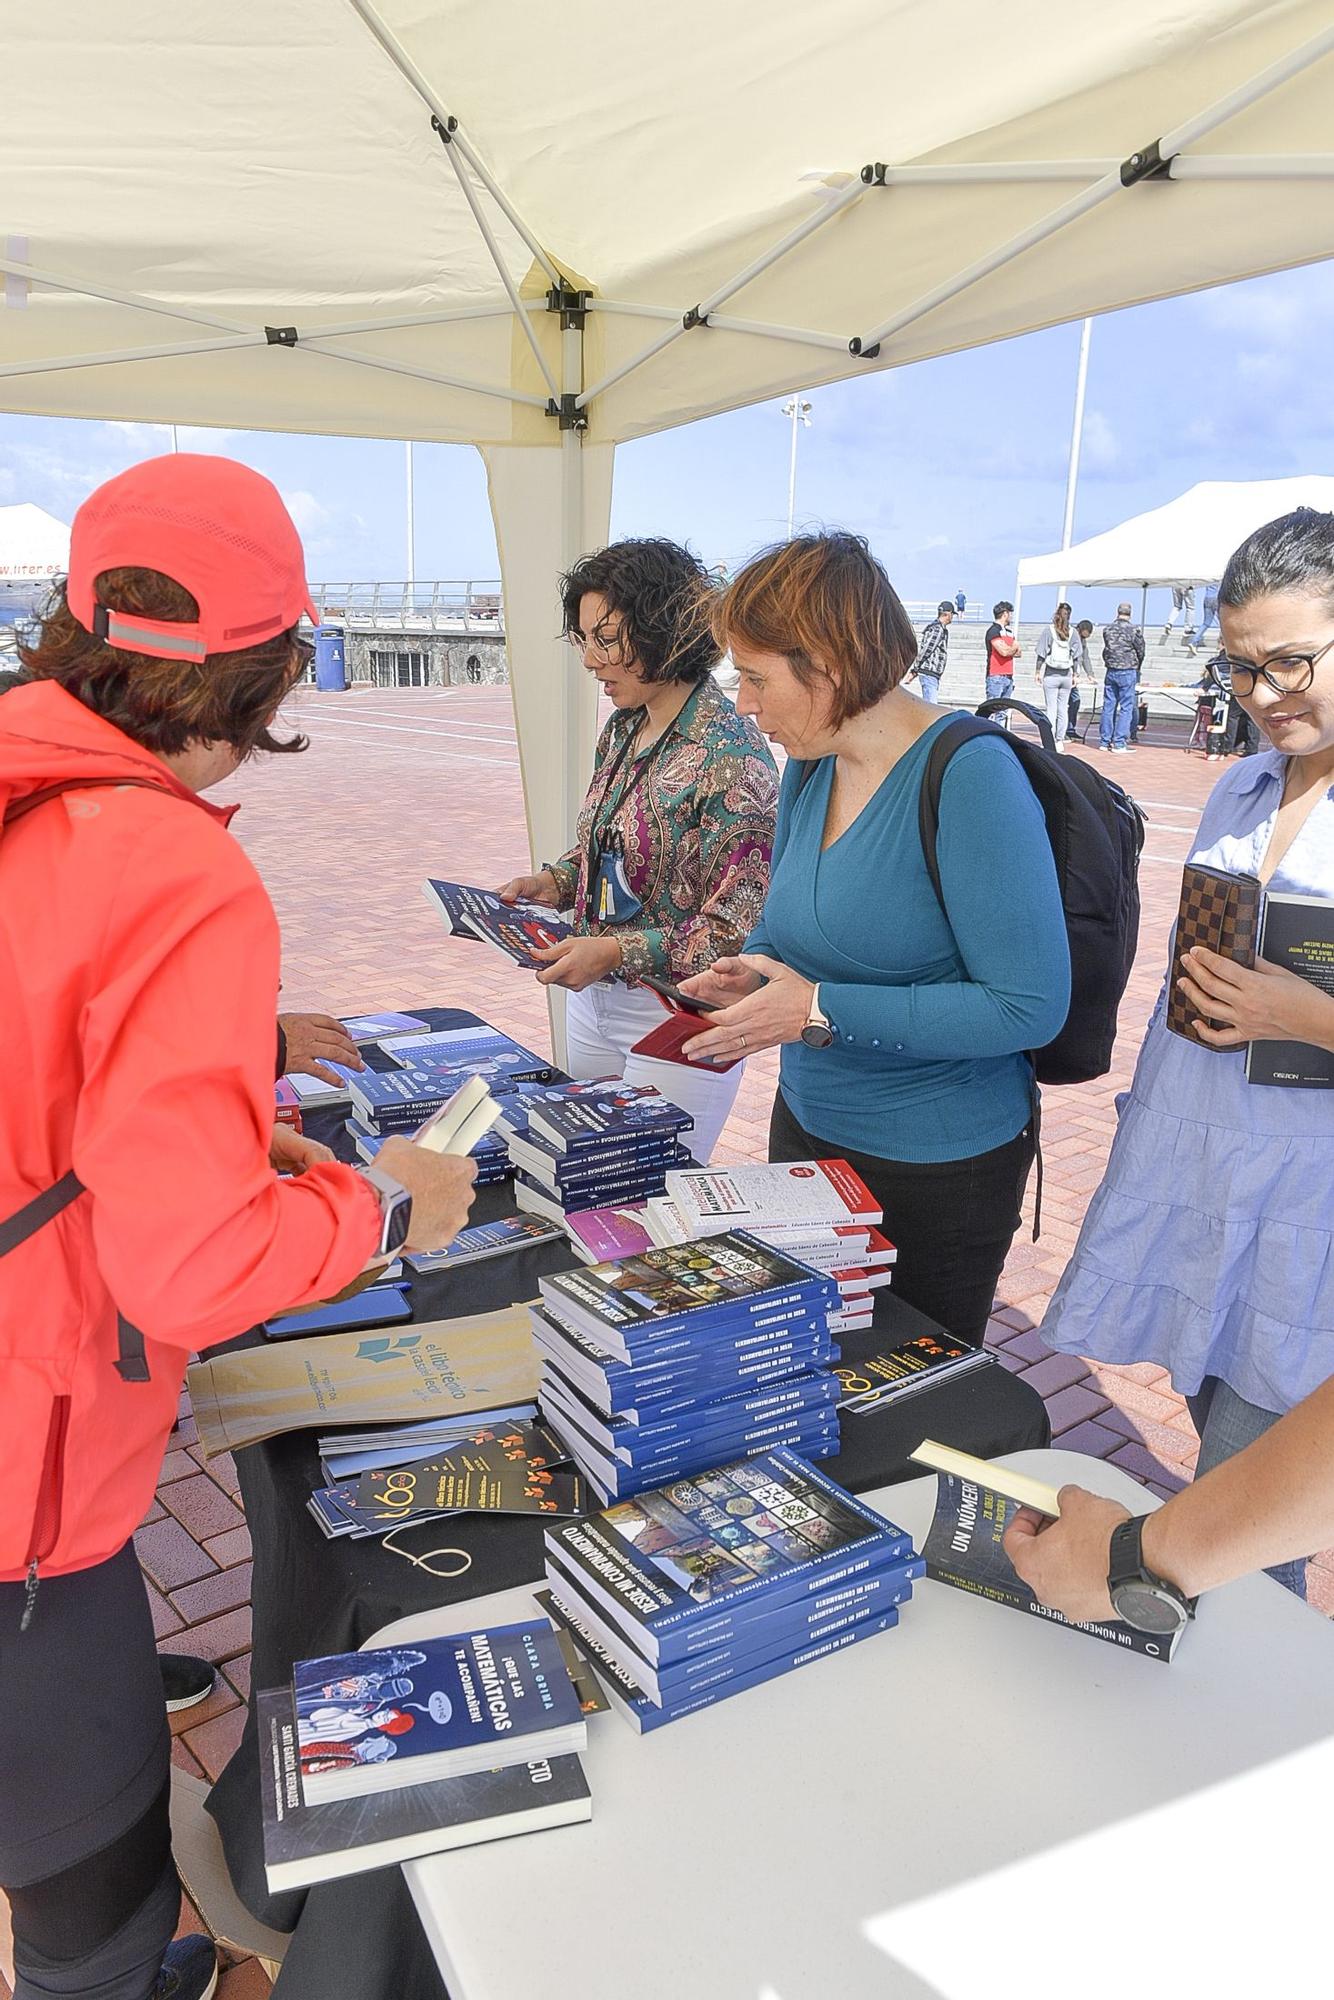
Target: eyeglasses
605,638
1290,673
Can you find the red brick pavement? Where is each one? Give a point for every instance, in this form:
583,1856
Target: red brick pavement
399,785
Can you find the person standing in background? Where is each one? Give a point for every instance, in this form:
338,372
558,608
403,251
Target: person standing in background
933,652
1056,668
959,602
1122,658
1195,639
1183,606
1000,650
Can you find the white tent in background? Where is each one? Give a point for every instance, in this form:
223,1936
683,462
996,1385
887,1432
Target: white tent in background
33,544
1187,541
545,229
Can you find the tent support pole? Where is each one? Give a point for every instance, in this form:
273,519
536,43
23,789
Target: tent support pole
698,315
1076,439
408,69
446,133
797,335
1127,175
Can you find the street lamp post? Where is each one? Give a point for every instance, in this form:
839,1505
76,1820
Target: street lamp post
800,413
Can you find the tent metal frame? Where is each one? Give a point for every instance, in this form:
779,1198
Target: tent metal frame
567,400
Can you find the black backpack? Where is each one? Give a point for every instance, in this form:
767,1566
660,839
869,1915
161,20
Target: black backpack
1096,832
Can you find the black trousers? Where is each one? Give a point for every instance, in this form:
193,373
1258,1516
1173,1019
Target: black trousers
85,1761
952,1221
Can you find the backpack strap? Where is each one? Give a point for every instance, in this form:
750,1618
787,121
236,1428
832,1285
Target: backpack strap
131,1360
35,799
952,737
35,1215
949,739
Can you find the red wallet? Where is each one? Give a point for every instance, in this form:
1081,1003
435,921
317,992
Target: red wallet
665,1042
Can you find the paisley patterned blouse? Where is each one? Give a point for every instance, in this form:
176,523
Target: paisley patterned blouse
697,823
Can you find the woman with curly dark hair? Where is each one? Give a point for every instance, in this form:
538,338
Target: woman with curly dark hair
670,866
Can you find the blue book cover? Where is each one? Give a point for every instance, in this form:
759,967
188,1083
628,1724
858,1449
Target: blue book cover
643,1713
711,1423
486,1239
730,1343
587,1116
520,930
660,1567
686,1287
371,1722
614,1386
613,1481
574,1200
401,1095
371,1027
626,1436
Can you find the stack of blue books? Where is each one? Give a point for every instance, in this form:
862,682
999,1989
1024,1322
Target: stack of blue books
478,1050
493,1162
385,1102
577,1146
667,1363
712,1585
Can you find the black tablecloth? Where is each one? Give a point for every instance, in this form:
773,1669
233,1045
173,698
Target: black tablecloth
360,1939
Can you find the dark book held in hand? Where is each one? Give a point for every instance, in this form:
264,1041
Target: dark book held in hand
963,1548
1296,932
1220,911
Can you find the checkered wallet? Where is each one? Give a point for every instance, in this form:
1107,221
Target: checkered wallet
1220,911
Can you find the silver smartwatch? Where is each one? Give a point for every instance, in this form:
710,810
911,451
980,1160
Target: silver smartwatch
817,1033
395,1209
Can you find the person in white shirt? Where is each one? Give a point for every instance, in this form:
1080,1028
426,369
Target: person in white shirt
1058,652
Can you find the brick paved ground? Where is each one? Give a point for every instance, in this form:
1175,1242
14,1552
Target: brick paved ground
399,785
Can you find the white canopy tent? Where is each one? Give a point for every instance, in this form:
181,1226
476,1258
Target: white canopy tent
33,544
1187,541
546,229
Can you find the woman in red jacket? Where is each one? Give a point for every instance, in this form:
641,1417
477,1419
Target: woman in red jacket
140,1214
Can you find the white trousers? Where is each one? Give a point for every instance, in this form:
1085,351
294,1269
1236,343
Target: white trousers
604,1022
1056,701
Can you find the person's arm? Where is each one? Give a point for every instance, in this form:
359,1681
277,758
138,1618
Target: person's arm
1043,653
1271,1503
195,1235
1006,645
1016,990
1137,641
736,820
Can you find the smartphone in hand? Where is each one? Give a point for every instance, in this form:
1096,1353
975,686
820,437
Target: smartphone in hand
677,998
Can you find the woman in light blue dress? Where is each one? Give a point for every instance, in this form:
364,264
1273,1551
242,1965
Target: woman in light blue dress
1208,1248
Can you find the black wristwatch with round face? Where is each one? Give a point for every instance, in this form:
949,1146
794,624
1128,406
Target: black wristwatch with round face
1139,1598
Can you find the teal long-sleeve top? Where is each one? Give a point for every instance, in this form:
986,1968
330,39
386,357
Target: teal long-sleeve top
931,1015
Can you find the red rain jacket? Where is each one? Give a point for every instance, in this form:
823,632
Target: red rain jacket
139,965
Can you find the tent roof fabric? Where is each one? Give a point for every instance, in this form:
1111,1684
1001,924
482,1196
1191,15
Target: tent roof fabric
32,543
195,175
1187,541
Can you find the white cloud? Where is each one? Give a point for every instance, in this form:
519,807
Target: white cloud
1100,447
314,520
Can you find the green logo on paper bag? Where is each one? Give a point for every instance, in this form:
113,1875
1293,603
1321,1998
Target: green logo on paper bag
385,1346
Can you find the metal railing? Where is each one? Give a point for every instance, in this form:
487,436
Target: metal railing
412,607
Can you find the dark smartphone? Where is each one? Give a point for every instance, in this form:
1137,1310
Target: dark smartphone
684,1001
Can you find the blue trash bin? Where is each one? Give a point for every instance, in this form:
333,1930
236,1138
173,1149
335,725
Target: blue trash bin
330,669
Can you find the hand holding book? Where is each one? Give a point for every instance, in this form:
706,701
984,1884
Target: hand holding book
1065,1562
1259,1003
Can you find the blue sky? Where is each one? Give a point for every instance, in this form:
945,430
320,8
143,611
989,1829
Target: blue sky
953,468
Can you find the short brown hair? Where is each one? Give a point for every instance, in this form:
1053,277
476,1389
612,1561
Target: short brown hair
166,704
823,601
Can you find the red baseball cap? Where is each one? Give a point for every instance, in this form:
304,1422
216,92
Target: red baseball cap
218,529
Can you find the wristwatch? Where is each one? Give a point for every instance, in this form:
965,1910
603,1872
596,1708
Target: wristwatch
1148,1602
817,1033
395,1209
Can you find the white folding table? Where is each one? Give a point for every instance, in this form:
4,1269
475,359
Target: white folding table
973,1806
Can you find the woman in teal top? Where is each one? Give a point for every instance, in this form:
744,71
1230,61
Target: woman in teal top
903,1026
